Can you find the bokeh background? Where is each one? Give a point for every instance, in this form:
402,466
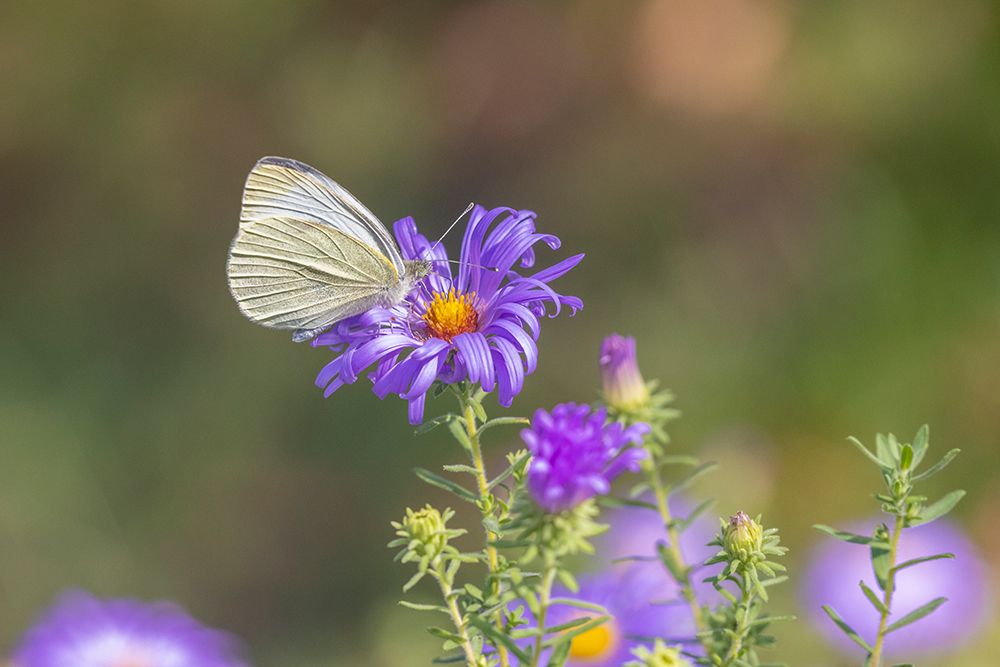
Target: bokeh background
793,206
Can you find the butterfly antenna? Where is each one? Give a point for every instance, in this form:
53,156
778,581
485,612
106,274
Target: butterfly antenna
452,226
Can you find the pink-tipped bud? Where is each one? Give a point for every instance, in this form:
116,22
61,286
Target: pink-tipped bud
624,388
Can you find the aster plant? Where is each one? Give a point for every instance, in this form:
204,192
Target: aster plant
897,464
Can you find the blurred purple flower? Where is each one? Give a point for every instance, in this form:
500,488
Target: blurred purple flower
576,454
624,388
836,567
84,631
635,535
481,326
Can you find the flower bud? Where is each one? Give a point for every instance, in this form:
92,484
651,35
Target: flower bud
743,537
660,655
624,388
425,530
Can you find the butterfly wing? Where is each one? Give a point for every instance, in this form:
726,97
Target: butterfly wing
287,273
280,187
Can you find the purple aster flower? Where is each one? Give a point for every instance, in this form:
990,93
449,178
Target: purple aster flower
83,631
624,388
575,454
836,568
481,325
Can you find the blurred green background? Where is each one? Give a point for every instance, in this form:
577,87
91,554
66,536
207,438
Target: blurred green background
793,206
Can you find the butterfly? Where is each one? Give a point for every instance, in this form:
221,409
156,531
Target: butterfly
308,254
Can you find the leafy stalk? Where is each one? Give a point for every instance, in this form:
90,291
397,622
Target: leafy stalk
890,588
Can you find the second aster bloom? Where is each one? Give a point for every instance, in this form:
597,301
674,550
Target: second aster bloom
84,631
480,326
576,453
624,388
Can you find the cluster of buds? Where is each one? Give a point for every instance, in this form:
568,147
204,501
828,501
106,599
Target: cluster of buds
660,655
424,535
747,549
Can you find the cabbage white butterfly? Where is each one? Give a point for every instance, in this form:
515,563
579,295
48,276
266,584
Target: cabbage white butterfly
308,254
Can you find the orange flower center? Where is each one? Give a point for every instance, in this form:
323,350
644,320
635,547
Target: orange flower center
594,644
451,314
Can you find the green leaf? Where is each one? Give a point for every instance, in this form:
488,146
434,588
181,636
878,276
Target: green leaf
613,503
871,457
880,555
457,428
506,473
446,484
846,629
906,457
460,467
939,466
885,450
499,637
688,479
853,538
432,424
568,635
920,442
917,614
682,524
938,509
422,607
579,604
559,655
873,598
922,559
504,421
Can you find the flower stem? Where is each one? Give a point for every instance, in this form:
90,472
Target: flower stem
456,616
486,508
742,623
543,609
875,659
683,573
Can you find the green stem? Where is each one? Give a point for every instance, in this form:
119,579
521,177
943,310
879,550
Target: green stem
543,608
456,616
683,574
875,659
485,507
742,623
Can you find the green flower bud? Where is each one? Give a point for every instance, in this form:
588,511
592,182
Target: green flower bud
425,531
660,655
743,537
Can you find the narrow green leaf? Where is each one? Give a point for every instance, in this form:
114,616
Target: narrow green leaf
853,538
885,451
695,513
457,428
568,635
503,421
422,607
506,473
917,614
938,509
873,598
497,636
689,479
446,484
579,604
920,442
559,655
939,466
613,502
922,559
432,424
459,467
906,457
864,450
846,629
880,555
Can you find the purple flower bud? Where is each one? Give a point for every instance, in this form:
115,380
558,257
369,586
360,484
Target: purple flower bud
576,454
624,388
836,568
83,631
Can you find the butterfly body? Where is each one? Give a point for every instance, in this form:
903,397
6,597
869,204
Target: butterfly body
308,254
